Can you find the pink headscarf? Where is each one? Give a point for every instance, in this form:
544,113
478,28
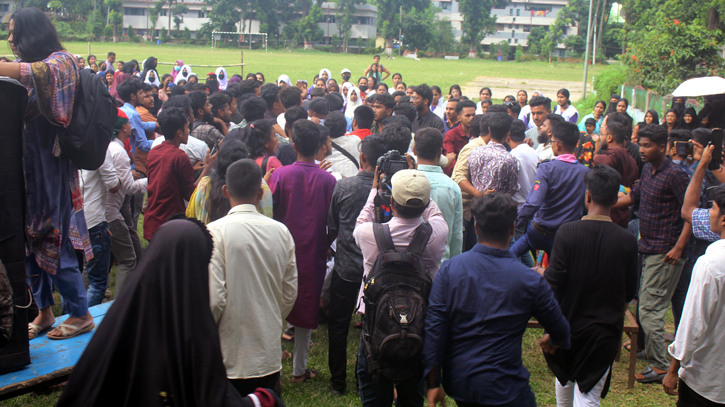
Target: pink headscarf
118,78
174,72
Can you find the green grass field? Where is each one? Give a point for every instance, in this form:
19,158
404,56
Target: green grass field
299,64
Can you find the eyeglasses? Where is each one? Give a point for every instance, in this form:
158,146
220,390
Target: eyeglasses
509,104
415,98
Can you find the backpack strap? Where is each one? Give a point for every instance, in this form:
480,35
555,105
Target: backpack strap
345,153
264,164
420,239
383,238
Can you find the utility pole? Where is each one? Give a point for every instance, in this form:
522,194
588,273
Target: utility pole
586,52
400,31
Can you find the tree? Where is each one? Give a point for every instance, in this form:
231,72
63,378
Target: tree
346,18
477,22
443,38
671,52
575,43
389,18
154,13
308,28
536,40
417,26
178,11
115,16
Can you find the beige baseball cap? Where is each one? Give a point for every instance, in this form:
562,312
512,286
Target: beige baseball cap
411,188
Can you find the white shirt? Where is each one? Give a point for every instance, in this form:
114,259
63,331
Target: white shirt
129,186
195,148
479,109
252,288
95,185
699,344
281,120
341,164
528,160
440,109
545,152
522,116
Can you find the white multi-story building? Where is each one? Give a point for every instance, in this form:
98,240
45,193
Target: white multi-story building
513,21
136,14
6,10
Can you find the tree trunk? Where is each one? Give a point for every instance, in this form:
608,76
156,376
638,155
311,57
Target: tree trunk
713,21
472,50
308,44
388,46
606,6
169,26
115,36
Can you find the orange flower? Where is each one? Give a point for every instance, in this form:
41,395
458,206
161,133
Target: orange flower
677,22
634,57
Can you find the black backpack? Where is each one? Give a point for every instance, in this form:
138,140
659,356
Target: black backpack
396,299
86,138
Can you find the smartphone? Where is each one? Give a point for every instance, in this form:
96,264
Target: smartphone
717,152
683,148
216,146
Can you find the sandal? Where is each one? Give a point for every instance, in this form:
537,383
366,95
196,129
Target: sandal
309,374
628,346
70,331
35,330
650,376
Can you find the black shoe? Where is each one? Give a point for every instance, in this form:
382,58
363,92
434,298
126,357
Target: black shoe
336,392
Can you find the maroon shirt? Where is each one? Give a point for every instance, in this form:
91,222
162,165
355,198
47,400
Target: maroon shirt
454,140
619,159
171,181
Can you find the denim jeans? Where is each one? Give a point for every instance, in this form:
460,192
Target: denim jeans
343,298
532,240
67,279
380,393
99,266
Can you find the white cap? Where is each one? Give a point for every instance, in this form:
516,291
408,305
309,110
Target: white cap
345,70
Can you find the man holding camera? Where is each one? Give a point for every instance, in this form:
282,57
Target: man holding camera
411,205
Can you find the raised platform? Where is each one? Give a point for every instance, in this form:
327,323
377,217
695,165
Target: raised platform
51,360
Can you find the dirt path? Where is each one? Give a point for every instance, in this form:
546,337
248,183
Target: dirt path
509,86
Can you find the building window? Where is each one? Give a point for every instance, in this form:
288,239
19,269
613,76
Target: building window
163,13
513,33
527,28
518,11
445,5
516,41
4,8
365,21
511,26
328,19
517,26
201,14
134,11
509,40
511,11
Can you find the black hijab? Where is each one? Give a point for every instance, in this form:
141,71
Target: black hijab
158,345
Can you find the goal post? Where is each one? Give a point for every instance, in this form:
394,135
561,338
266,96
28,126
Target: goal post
216,36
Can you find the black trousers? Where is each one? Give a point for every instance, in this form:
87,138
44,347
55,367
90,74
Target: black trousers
689,398
246,386
343,299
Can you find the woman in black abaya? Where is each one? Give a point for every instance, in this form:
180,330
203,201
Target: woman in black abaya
158,345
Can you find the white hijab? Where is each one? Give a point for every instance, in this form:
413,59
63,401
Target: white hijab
222,82
329,74
351,106
156,81
285,79
181,75
348,86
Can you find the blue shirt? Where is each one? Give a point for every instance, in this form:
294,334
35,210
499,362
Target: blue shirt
478,309
557,196
138,129
447,195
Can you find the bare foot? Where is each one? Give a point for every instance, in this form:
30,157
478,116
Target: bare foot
640,376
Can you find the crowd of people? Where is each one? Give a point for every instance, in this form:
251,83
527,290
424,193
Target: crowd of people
270,208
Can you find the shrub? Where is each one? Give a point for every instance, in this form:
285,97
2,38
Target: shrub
609,81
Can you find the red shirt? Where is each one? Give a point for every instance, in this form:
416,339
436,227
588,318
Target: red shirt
454,140
171,181
362,133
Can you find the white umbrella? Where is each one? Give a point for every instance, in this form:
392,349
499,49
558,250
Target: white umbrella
709,85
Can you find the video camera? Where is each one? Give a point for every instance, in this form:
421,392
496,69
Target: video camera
389,164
